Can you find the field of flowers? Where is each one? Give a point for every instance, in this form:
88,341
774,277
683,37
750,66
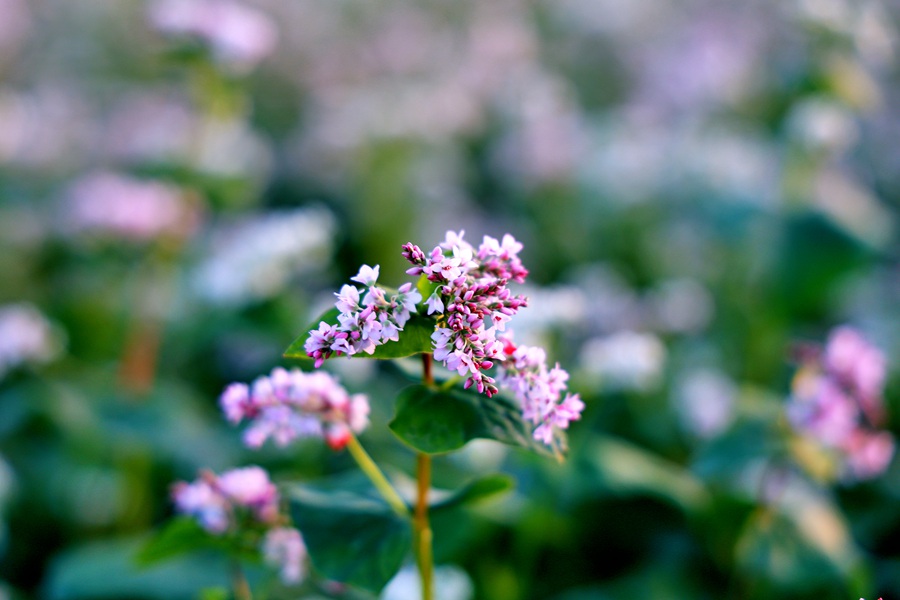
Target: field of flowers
695,207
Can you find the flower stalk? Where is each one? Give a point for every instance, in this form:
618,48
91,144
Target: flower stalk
377,478
421,525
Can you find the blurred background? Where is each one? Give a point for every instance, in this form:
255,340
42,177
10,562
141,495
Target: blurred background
698,186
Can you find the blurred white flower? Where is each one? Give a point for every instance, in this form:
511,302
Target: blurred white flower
26,336
823,125
705,400
450,583
257,258
624,360
680,305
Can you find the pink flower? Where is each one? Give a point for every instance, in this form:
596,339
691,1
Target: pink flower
122,206
284,549
214,499
251,488
288,405
238,35
837,399
868,453
200,500
367,275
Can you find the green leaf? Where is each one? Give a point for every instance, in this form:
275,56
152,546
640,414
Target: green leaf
436,421
106,569
414,339
179,536
351,538
475,491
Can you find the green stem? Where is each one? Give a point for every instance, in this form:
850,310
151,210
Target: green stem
239,582
381,483
421,525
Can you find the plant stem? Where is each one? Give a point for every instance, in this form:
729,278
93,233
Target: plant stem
421,526
239,582
372,471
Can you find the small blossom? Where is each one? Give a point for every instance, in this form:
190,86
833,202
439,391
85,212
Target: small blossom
26,336
200,500
250,487
283,548
434,304
367,275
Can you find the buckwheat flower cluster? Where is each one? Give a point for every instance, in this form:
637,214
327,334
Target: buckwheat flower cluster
367,319
220,503
837,399
473,297
523,370
217,501
287,405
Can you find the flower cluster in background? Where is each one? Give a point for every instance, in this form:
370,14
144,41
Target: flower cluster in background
288,405
222,503
837,399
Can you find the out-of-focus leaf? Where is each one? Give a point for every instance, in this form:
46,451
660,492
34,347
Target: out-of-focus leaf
475,491
351,538
179,536
436,421
621,468
414,339
107,570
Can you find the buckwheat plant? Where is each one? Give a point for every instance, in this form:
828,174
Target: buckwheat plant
457,314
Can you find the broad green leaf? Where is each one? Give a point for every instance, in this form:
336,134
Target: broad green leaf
414,339
351,538
436,421
178,536
107,569
475,491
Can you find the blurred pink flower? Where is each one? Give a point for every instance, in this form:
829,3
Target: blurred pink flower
837,400
123,206
26,336
239,36
283,548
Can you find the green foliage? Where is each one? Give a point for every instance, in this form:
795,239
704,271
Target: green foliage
351,537
483,488
107,570
436,421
